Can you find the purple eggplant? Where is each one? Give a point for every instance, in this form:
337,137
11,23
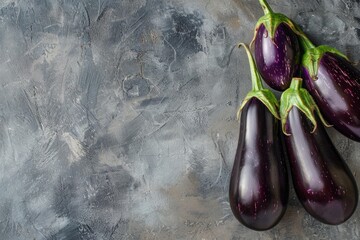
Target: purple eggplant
334,83
258,192
277,51
322,180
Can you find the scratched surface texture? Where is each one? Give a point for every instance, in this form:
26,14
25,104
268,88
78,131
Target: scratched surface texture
117,117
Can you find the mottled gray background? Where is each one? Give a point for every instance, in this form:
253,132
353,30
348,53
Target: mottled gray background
117,117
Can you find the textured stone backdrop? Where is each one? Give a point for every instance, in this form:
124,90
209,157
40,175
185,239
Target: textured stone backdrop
117,117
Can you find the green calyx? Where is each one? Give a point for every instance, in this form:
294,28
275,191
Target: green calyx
258,91
312,54
312,57
272,20
299,97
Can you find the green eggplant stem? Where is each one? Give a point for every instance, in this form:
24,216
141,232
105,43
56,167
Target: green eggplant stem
305,41
258,91
255,77
296,84
265,6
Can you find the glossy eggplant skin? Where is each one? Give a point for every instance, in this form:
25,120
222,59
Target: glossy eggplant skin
337,93
322,180
259,187
277,59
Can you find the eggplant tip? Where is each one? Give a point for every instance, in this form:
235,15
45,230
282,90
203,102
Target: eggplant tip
283,123
240,44
314,128
285,133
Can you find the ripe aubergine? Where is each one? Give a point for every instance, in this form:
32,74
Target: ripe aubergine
322,180
277,51
259,189
334,83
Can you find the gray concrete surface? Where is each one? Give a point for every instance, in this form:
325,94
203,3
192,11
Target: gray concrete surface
117,117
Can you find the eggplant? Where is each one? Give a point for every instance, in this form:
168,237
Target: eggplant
328,75
258,192
277,51
322,181
334,83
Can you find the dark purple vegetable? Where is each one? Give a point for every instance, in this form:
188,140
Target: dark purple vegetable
335,86
258,191
322,180
277,51
328,75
